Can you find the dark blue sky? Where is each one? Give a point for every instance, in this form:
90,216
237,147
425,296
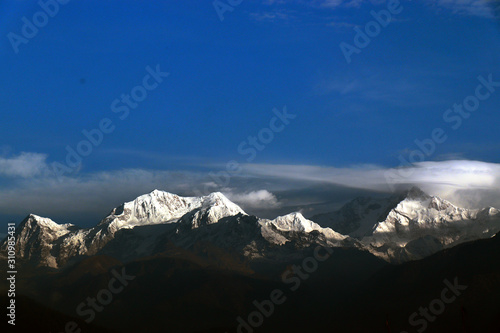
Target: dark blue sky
227,76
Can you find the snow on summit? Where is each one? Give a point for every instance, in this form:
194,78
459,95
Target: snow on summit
397,229
37,235
424,218
164,207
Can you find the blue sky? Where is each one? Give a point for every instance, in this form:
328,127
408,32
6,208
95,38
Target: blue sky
225,79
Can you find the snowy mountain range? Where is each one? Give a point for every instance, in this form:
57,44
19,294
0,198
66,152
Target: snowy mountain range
420,225
398,229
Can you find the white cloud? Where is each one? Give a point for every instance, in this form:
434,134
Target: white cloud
95,193
339,3
470,183
459,174
272,16
262,199
482,8
24,165
342,25
29,187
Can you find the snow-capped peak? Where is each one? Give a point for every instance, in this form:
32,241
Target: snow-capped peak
420,215
440,204
37,234
219,199
296,222
33,220
418,199
213,207
397,228
159,207
283,228
151,208
420,206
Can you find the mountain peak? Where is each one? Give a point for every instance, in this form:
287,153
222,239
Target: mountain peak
415,193
216,197
155,194
383,226
34,217
440,204
36,232
160,207
294,222
151,208
214,207
44,222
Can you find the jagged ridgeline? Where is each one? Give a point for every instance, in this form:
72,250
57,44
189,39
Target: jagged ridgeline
400,228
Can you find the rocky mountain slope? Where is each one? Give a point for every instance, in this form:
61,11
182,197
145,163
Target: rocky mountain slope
411,226
400,228
141,227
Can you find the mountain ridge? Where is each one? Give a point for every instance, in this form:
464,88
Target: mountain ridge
400,228
53,245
